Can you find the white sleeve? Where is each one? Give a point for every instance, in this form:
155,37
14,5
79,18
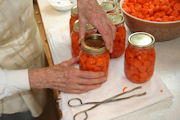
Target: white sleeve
13,81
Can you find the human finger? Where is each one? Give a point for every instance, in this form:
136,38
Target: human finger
105,30
91,81
77,88
110,36
89,74
108,40
87,87
114,32
70,62
82,30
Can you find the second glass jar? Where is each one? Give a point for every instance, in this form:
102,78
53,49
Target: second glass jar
119,42
74,17
75,45
94,56
140,57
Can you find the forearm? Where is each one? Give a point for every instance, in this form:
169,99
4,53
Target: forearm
37,78
16,81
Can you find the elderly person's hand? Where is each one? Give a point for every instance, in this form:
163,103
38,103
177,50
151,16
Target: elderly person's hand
90,12
66,78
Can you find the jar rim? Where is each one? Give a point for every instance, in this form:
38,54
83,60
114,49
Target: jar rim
74,10
141,39
116,18
90,49
108,6
76,26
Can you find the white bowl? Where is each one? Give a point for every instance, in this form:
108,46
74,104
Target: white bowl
62,5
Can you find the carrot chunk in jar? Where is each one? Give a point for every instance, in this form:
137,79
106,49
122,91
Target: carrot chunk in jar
140,57
94,56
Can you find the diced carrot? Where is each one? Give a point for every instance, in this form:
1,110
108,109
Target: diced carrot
164,8
138,7
140,15
156,8
178,18
175,13
161,91
162,13
124,89
156,2
177,7
169,11
150,11
141,1
153,10
159,19
165,18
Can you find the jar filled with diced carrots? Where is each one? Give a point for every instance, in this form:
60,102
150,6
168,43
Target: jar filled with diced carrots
140,57
108,7
119,42
75,45
74,17
94,55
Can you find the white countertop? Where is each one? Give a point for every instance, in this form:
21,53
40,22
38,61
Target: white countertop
167,67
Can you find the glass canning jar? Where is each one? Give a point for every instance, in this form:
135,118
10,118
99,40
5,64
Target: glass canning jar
74,17
140,57
119,42
75,45
94,55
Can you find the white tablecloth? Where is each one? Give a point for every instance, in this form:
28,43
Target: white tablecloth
167,64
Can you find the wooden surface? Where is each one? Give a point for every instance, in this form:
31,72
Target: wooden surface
47,51
43,35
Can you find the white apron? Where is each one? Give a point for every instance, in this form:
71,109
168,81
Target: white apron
20,48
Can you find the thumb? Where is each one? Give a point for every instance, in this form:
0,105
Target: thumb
70,62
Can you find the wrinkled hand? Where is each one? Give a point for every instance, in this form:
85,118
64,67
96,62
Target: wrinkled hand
65,78
90,12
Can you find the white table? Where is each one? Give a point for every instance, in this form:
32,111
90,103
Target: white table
167,68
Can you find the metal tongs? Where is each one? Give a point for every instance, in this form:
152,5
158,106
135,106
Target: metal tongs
96,104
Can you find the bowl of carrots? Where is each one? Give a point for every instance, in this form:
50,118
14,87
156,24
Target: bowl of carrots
161,18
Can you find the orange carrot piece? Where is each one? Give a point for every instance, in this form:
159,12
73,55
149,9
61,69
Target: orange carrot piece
161,91
124,89
177,7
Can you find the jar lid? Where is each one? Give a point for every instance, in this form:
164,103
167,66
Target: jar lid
76,26
108,6
93,44
115,18
74,10
141,39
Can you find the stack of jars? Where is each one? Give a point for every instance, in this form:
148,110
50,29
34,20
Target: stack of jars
139,54
117,20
